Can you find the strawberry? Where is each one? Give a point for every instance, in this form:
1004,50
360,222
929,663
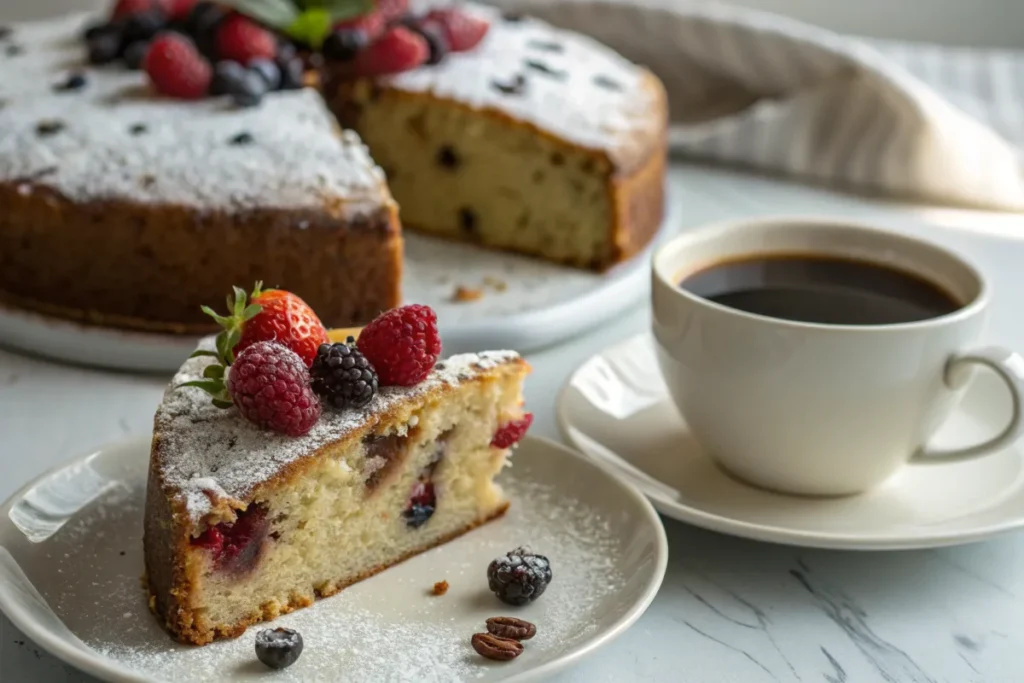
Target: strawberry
127,8
286,319
371,24
178,10
392,9
176,68
399,49
463,31
242,40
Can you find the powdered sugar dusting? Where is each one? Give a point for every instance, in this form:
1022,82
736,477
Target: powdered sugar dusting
207,450
120,141
389,628
566,84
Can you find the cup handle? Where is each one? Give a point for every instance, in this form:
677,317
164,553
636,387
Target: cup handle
1010,368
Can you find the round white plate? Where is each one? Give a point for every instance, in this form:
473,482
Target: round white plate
71,558
524,304
615,408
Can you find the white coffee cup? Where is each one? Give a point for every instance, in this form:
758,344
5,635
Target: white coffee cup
820,409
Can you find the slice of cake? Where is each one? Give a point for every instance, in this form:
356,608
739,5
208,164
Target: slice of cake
243,524
537,140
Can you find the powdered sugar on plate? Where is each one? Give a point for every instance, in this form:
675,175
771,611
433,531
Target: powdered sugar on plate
603,543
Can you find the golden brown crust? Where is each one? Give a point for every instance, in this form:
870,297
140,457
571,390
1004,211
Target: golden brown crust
174,570
150,267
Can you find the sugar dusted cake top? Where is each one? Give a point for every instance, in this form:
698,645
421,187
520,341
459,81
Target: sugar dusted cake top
566,84
206,450
115,139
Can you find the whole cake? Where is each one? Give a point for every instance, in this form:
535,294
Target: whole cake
293,482
132,196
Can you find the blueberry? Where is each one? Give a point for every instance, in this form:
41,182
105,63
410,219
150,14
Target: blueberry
104,47
293,73
519,577
417,515
249,90
344,44
268,71
279,647
227,78
143,26
135,54
286,50
436,41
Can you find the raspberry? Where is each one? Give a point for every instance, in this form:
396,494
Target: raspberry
392,9
178,10
512,432
126,8
242,40
519,577
236,546
343,376
286,319
397,50
271,387
176,68
463,31
402,345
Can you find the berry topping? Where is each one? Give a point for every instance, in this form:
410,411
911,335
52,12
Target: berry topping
142,26
236,546
463,31
202,24
422,503
343,44
372,24
397,50
267,70
178,10
176,68
104,46
293,72
242,40
249,90
519,577
402,344
227,77
392,10
286,319
512,432
271,387
126,8
278,647
343,376
135,54
434,34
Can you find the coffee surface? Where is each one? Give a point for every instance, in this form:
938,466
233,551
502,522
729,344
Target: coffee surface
821,289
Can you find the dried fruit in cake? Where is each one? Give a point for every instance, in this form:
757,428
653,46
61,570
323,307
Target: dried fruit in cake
399,49
270,385
286,319
279,647
462,30
342,376
241,39
402,344
176,68
519,577
512,432
237,546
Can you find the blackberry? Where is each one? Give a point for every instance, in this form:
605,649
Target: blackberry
104,47
135,54
142,26
342,375
343,45
279,647
519,577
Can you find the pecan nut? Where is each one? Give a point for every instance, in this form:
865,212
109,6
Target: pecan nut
496,647
510,627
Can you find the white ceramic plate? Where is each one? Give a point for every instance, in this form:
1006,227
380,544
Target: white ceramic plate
615,408
71,558
525,304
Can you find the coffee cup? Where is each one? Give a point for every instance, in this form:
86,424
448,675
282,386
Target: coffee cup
818,357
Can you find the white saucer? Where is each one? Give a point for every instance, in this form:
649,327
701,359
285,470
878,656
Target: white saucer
71,558
637,434
525,304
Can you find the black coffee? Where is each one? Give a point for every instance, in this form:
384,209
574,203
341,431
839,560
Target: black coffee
821,290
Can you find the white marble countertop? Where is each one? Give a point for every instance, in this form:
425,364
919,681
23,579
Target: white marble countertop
730,611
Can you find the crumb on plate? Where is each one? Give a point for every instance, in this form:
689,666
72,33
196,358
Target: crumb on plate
440,588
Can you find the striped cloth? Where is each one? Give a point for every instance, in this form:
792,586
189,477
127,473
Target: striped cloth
911,121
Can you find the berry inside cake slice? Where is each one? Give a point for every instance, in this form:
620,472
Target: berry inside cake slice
244,523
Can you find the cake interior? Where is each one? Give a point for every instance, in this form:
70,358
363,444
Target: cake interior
358,507
483,177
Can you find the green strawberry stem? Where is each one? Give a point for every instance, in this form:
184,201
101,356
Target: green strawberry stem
239,311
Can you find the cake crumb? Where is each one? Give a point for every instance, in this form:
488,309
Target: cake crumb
440,588
495,283
463,293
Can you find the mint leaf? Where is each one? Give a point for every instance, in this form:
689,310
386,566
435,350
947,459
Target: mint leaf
279,14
